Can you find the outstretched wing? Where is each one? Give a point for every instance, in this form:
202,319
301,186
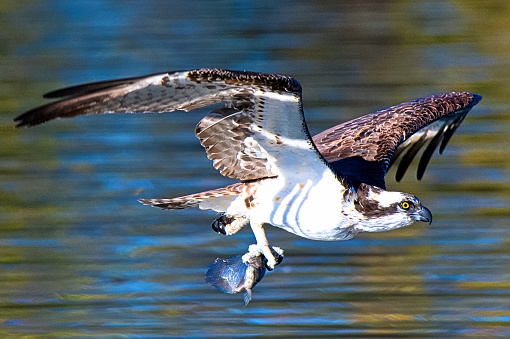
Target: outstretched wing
364,148
259,132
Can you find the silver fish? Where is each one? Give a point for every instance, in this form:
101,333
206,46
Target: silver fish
239,273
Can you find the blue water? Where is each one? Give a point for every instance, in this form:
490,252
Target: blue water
80,257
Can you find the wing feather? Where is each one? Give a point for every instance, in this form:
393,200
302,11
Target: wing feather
364,148
259,132
217,199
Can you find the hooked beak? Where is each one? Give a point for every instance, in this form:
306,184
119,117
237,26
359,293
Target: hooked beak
423,214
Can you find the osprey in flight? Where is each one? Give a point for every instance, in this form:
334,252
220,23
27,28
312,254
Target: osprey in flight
327,187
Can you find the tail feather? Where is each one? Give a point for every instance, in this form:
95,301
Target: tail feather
204,200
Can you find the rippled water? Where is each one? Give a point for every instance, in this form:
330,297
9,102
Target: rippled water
79,257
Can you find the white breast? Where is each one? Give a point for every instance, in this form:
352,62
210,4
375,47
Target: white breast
310,206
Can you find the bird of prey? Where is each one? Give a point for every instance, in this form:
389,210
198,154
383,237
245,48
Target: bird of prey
327,187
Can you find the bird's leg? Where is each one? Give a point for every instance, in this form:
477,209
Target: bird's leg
274,255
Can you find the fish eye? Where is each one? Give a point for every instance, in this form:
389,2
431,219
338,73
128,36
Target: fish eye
405,205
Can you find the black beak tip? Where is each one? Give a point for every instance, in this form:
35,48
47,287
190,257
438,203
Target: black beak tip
425,215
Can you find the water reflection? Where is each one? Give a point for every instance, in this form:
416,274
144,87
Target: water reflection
80,257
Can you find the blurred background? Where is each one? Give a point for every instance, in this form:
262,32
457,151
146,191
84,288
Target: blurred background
80,257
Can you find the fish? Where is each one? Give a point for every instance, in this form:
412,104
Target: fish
239,273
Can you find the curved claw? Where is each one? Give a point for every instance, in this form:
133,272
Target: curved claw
228,225
272,255
218,225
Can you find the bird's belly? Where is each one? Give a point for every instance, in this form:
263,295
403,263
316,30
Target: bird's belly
316,223
313,209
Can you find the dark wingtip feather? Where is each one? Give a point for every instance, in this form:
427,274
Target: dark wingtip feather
408,158
92,92
441,139
30,118
444,136
427,155
92,87
448,132
84,89
476,99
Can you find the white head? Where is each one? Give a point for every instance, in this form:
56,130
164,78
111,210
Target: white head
383,210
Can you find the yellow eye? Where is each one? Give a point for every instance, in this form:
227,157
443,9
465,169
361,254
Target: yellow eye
405,205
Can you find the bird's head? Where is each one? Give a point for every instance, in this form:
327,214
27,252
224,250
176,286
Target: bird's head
384,210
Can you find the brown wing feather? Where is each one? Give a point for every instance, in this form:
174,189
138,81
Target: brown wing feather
223,133
193,200
155,93
261,109
375,137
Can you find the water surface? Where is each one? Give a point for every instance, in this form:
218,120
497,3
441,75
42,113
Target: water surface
79,257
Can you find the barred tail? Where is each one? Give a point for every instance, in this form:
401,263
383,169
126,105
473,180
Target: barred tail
218,199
